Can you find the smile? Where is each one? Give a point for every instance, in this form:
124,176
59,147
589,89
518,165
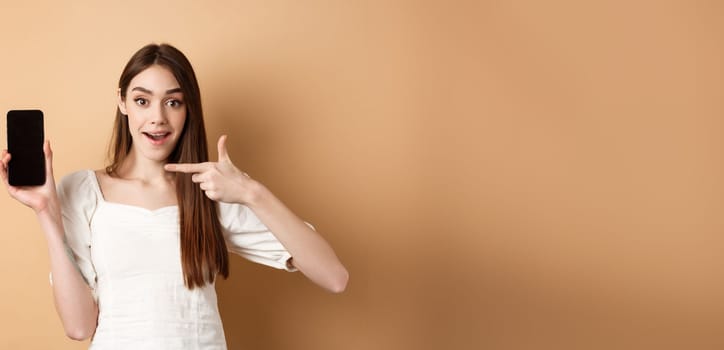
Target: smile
157,138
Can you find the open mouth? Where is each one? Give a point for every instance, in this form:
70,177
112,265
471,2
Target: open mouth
157,138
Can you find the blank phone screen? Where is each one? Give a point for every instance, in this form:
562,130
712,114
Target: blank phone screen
25,144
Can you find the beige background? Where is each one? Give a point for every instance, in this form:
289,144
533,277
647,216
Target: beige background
494,174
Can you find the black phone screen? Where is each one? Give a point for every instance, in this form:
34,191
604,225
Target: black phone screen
25,145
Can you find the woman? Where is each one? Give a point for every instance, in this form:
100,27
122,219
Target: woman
135,248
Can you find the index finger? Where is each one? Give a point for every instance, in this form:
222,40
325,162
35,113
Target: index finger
187,167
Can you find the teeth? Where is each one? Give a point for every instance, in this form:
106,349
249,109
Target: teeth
156,136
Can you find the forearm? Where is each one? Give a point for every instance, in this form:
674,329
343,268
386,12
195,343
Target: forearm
311,253
74,301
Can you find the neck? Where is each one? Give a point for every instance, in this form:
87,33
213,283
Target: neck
136,167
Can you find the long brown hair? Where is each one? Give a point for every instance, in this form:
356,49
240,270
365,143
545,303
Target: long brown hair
203,249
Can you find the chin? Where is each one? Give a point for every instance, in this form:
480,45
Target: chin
156,156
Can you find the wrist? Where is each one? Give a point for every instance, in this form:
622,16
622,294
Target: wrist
254,194
51,223
49,212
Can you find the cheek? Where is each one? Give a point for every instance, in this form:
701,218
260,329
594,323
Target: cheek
133,123
179,121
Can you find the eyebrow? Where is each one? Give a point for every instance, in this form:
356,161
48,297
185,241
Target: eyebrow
144,90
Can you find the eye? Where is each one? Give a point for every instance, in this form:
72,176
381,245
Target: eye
141,101
174,103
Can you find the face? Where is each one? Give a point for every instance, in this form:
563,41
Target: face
156,112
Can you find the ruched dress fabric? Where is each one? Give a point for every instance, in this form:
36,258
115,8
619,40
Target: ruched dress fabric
130,257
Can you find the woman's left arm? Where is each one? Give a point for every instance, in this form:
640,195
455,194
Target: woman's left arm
311,254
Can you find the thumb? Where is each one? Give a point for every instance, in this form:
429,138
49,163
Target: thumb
223,154
48,158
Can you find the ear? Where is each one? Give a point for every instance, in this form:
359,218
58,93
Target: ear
121,103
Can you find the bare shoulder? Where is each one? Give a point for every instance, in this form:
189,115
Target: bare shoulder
104,180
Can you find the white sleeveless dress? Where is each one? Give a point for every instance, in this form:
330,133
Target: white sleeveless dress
130,257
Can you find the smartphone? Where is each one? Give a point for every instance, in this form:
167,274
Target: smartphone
25,145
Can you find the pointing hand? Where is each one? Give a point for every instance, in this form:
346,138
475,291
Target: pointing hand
221,181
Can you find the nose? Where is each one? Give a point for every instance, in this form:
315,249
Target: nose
158,116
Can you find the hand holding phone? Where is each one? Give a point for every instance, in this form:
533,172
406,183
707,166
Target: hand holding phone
25,145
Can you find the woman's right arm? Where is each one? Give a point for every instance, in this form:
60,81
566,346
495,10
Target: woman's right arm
74,300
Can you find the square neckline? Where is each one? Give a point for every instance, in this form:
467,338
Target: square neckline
102,199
